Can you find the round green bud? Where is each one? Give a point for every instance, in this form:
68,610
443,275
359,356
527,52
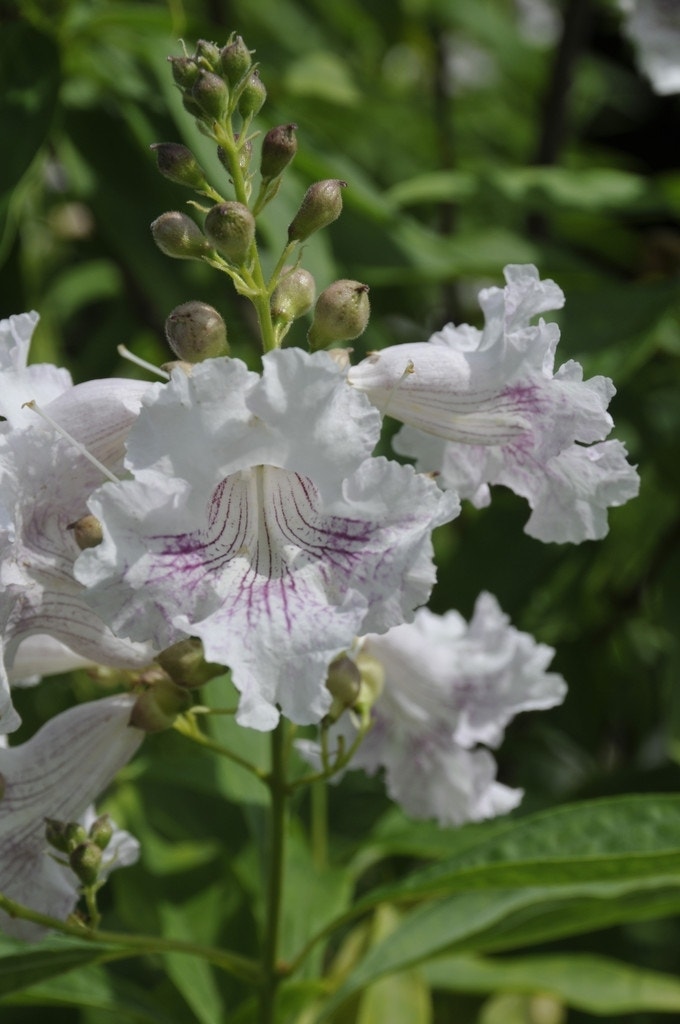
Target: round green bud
235,59
230,227
253,95
211,94
341,314
186,665
207,55
196,331
344,683
320,206
156,709
101,831
55,834
185,71
85,862
279,146
87,532
293,295
177,163
177,235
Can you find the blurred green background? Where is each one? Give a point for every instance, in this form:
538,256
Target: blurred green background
472,134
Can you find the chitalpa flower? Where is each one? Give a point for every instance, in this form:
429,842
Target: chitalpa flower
486,407
258,521
450,689
45,481
653,26
56,775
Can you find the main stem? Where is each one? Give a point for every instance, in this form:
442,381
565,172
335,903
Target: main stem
278,788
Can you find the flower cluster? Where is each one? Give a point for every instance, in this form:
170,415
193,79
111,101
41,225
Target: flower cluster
243,518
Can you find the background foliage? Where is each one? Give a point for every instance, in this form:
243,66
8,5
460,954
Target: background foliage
469,140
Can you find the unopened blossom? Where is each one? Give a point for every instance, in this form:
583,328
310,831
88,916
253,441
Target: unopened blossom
450,690
258,521
57,774
487,407
45,481
653,26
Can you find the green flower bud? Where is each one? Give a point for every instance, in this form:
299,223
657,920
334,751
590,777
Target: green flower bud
55,834
186,665
341,314
235,59
279,146
321,205
157,708
101,831
372,679
207,55
230,227
293,295
177,235
185,71
253,95
177,163
211,95
85,862
87,532
344,683
196,331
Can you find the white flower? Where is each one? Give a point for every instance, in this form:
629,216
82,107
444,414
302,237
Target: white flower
450,687
485,407
258,521
20,383
654,28
44,485
57,774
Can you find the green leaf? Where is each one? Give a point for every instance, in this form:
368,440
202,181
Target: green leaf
91,988
595,984
506,919
617,838
35,964
192,976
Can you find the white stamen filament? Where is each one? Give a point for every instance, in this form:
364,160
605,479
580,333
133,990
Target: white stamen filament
138,361
76,444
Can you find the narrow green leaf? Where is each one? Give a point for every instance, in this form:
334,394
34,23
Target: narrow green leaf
20,970
595,984
609,839
193,977
506,919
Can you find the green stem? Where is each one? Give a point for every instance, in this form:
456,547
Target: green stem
188,728
319,823
278,788
130,945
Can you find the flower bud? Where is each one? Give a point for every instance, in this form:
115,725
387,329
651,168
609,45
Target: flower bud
372,679
185,71
196,331
157,708
211,95
230,227
185,664
235,59
293,295
341,314
253,95
177,163
279,146
87,532
207,55
64,835
321,205
177,235
85,862
101,831
344,683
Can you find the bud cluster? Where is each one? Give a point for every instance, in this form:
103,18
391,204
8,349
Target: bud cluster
84,848
222,89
